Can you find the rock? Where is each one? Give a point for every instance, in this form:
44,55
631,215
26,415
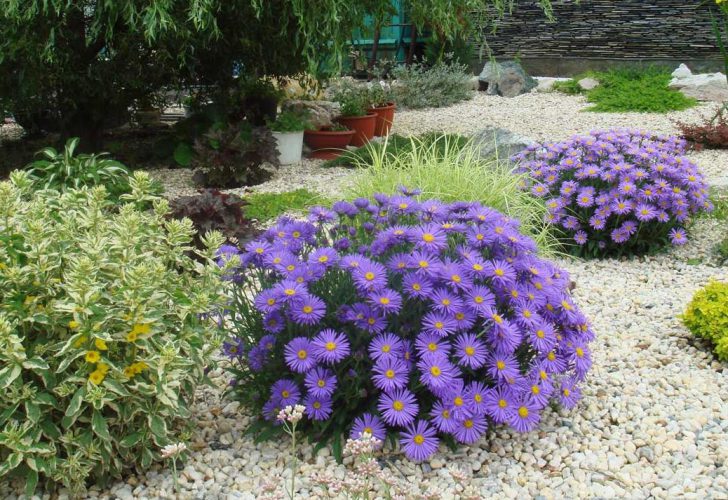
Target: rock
546,83
474,83
703,87
321,113
495,142
588,83
507,79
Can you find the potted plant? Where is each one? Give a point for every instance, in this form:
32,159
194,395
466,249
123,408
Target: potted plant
260,101
380,97
328,142
288,132
354,115
148,111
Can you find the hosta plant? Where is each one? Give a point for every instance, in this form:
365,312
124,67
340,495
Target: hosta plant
707,317
403,317
103,337
617,192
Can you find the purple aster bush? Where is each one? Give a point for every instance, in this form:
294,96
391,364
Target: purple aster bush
433,323
617,192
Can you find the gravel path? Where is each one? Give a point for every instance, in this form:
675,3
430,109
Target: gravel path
654,418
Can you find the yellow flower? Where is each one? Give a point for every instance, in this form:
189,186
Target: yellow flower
141,328
29,299
139,367
80,341
129,371
93,356
131,336
96,377
103,368
73,324
101,345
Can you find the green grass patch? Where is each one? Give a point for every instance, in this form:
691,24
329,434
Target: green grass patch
396,145
268,206
719,197
449,170
630,89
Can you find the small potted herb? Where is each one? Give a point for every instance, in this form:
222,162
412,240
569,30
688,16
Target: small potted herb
382,104
288,132
329,142
355,115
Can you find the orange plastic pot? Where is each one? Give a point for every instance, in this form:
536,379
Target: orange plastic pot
385,118
327,144
363,127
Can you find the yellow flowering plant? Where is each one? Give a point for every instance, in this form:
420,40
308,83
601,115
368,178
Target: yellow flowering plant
104,331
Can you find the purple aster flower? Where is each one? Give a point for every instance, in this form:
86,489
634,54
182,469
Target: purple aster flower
369,424
455,276
480,299
471,351
345,208
271,409
307,309
325,256
407,191
553,363
569,394
499,404
267,342
581,357
542,336
233,348
398,407
525,415
678,236
298,355
273,322
501,272
268,300
471,429
428,343
320,382
645,212
318,408
446,300
425,263
539,392
585,198
330,346
386,300
399,263
321,214
438,323
352,262
475,394
501,367
442,417
464,320
386,346
287,290
429,237
417,286
370,276
419,441
390,374
361,203
285,392
436,372
580,237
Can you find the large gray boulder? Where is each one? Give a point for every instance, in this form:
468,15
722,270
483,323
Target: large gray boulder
703,87
320,113
500,143
507,79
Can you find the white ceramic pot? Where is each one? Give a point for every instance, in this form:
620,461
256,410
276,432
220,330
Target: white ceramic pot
290,146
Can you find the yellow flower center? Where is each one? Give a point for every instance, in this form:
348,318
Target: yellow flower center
478,299
523,412
417,287
290,267
428,238
470,350
384,300
445,302
285,393
316,405
499,230
398,405
459,316
302,354
499,272
386,348
456,278
368,430
579,352
535,389
439,324
540,334
419,439
500,365
566,392
478,398
423,263
435,371
330,346
402,206
289,291
543,375
389,373
271,301
479,236
468,424
551,356
259,250
432,346
296,234
369,276
502,403
307,309
323,258
527,314
445,413
458,401
321,383
497,319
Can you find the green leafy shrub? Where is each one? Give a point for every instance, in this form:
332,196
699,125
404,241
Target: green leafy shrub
268,206
234,155
422,86
290,121
707,316
212,210
570,87
354,99
68,170
102,333
641,90
447,170
396,145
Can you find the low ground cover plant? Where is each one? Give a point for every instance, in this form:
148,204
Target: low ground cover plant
706,317
616,192
446,168
265,207
102,333
712,133
406,318
630,89
422,86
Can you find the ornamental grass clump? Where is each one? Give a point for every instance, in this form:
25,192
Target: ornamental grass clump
407,318
102,338
617,192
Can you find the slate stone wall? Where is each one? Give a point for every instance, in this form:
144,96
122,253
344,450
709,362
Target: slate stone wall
607,30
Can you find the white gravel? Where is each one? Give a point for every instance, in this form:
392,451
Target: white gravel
654,419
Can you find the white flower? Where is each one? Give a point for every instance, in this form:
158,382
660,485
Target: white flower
291,414
173,450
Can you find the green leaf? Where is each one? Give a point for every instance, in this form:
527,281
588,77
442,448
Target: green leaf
35,364
183,154
31,481
157,426
32,411
130,440
98,424
50,429
8,375
147,458
336,448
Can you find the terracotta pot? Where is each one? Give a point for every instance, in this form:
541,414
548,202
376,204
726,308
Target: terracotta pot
327,144
385,118
363,127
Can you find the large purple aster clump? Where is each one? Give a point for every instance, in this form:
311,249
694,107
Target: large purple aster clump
404,318
617,192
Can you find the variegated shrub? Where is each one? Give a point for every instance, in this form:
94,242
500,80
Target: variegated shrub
103,331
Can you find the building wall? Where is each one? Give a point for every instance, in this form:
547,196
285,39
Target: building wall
596,33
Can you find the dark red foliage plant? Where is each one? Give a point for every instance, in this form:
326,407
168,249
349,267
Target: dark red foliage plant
711,134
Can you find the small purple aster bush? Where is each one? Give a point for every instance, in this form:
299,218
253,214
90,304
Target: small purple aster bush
617,192
407,319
